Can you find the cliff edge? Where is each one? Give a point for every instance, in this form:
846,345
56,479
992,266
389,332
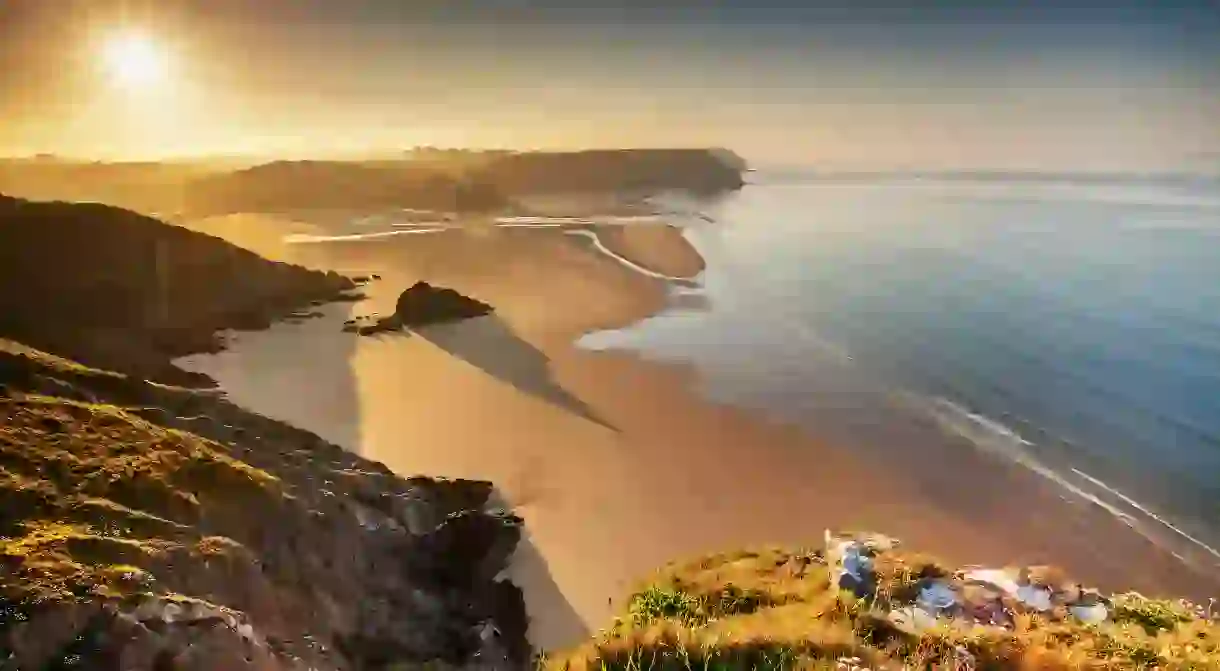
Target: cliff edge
122,291
146,528
860,603
149,527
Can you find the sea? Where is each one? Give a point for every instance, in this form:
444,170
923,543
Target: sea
1068,325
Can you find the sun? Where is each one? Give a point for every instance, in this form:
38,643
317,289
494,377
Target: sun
134,61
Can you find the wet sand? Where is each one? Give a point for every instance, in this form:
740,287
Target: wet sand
616,464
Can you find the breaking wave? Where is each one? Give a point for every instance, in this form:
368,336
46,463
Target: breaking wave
997,439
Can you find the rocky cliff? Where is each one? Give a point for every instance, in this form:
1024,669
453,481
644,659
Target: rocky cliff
151,527
148,528
119,290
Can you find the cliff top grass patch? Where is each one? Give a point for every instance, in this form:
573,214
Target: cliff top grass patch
95,495
780,609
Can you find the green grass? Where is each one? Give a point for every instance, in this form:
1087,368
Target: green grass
775,609
95,498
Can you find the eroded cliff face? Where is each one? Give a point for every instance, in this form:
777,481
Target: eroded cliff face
152,527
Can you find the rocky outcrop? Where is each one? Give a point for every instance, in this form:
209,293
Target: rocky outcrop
637,170
420,305
145,528
122,291
150,527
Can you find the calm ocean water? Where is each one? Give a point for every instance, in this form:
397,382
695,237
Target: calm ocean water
1072,327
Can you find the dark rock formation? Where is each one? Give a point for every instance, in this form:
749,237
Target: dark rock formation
149,527
420,305
145,527
424,304
122,291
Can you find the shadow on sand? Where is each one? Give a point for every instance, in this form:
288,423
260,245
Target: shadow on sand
488,344
554,623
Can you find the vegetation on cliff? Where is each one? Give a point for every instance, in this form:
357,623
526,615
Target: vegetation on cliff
147,527
776,609
118,290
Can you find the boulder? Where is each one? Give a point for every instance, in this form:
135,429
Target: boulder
421,305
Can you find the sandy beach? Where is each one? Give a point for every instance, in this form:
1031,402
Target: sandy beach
616,464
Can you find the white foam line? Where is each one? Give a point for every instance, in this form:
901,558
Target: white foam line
559,221
810,336
528,225
1135,504
304,238
1021,457
626,262
416,224
356,237
412,210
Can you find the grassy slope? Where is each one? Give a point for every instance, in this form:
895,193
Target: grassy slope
118,290
121,495
776,609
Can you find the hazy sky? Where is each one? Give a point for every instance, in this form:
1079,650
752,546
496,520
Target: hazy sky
1040,84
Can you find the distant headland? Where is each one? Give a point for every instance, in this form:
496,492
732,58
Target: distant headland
424,178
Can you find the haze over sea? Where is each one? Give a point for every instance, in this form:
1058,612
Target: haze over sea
1071,325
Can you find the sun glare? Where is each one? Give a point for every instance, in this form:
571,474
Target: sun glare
133,60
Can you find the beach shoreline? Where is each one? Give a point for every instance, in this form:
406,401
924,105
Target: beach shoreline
646,470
